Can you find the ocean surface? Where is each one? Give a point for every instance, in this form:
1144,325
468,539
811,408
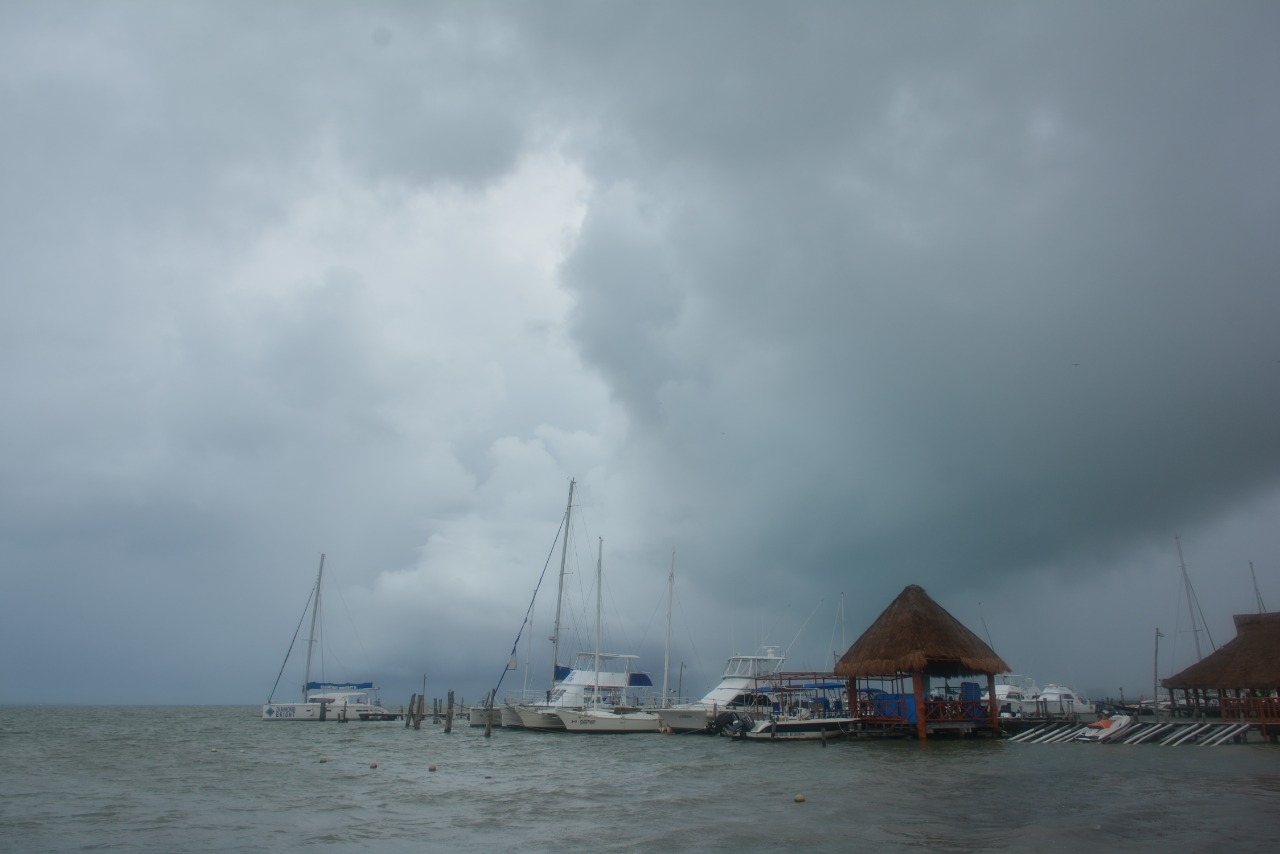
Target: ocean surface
220,779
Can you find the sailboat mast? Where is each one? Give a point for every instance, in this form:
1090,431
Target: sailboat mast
666,648
311,642
1262,609
564,556
599,603
1191,602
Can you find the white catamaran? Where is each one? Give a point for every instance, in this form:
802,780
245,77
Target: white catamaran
326,701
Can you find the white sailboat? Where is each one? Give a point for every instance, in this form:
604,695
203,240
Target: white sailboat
595,679
331,701
618,718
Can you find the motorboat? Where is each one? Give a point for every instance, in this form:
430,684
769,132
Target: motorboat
803,707
739,690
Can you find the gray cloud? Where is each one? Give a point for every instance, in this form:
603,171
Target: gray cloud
827,299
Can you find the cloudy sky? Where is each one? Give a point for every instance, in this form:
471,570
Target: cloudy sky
823,298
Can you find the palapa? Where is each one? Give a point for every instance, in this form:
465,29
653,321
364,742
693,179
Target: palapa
1250,660
917,635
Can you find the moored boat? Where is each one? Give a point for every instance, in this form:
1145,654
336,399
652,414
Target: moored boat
327,701
738,690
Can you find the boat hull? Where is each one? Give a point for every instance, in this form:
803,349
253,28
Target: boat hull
693,719
295,712
813,729
539,718
592,720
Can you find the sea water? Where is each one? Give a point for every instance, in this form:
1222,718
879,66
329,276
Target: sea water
221,779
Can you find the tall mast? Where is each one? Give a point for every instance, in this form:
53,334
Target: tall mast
666,650
564,555
1191,600
599,602
311,643
1262,609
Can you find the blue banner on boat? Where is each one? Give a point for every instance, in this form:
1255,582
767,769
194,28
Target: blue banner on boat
562,672
354,686
639,680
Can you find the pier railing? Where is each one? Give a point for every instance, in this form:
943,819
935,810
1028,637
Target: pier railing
1256,709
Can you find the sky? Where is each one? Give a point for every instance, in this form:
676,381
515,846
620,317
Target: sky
811,301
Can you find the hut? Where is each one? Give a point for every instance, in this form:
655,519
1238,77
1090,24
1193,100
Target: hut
1242,679
916,638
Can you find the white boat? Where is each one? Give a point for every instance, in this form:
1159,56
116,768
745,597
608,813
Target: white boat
621,719
1020,697
327,701
477,715
738,691
597,680
1056,701
803,707
1104,729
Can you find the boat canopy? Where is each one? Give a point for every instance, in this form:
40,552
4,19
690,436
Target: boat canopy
639,680
354,686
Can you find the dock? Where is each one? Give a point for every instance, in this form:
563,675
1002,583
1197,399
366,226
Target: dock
1167,733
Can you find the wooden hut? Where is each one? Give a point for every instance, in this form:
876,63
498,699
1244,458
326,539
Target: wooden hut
1242,678
915,637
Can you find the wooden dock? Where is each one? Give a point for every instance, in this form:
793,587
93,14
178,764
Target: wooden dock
1167,733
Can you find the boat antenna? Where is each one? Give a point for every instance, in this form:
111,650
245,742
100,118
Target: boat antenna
1262,609
985,630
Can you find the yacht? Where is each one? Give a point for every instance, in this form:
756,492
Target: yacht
741,688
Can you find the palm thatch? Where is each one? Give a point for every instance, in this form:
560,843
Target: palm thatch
1250,660
917,634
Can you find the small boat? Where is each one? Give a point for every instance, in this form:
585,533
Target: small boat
805,707
1104,729
600,681
327,701
739,691
800,728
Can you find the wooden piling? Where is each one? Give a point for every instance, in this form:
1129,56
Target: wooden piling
448,717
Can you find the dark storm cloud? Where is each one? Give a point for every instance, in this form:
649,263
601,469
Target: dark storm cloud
824,297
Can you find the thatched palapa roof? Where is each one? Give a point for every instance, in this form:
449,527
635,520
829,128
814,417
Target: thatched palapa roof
917,634
1250,660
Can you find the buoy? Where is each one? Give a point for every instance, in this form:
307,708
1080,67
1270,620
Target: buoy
373,764
324,759
799,799
431,767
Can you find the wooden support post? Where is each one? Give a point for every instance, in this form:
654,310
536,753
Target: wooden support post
993,704
917,681
413,702
448,717
488,715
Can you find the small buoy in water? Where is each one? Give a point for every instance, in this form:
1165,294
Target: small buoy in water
799,799
373,764
324,759
431,767
213,750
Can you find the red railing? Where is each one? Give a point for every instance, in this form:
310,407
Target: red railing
1259,709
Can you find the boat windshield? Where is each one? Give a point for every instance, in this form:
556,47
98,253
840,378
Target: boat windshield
753,666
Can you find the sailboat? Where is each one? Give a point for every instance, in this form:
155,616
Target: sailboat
326,701
595,678
618,718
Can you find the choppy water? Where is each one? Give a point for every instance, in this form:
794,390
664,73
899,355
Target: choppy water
220,779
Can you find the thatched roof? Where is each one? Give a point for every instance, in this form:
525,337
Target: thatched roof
1250,660
916,633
